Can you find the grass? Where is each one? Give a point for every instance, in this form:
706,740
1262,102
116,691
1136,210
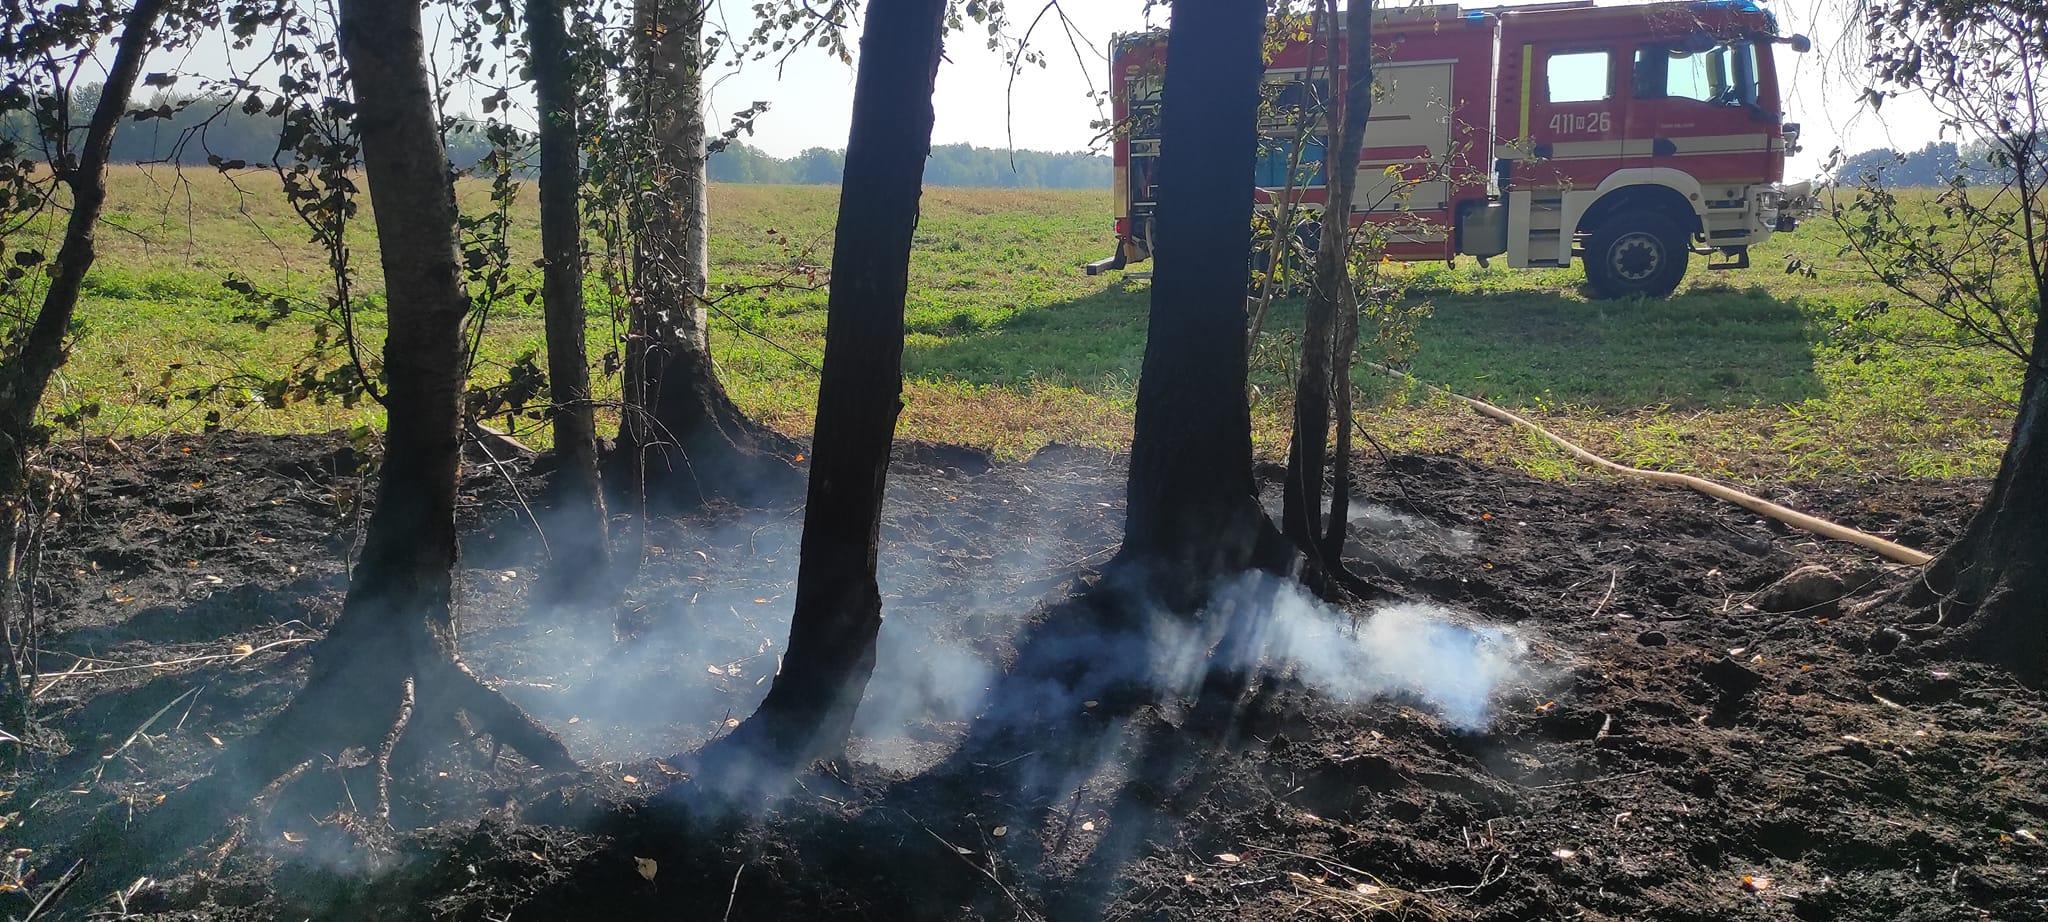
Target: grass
1010,345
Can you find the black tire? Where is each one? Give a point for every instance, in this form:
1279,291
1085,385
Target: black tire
1637,253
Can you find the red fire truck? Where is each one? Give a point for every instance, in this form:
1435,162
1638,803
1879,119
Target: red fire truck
1629,136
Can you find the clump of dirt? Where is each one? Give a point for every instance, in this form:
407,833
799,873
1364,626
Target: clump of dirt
1678,753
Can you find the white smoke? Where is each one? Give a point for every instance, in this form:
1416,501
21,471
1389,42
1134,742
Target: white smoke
1451,663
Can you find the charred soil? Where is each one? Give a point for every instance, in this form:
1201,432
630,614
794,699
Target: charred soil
1692,742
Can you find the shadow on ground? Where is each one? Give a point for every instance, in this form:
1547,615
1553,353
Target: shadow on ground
1709,347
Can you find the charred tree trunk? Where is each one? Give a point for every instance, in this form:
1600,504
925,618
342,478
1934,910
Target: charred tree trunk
1301,494
39,351
1987,589
681,438
1330,328
578,543
397,622
1336,526
1193,511
809,709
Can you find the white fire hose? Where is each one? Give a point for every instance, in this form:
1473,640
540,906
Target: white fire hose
1800,520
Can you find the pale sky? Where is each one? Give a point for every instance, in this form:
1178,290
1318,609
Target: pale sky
1050,109
811,95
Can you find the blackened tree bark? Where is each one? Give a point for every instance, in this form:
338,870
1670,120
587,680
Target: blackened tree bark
27,363
577,542
831,654
1987,590
681,438
1330,327
1192,507
396,630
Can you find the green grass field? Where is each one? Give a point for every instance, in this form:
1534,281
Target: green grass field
1011,346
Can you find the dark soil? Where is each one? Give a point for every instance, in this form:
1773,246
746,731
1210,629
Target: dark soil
1677,753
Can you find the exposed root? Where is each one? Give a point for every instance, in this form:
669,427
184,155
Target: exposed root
259,806
391,739
496,715
2005,629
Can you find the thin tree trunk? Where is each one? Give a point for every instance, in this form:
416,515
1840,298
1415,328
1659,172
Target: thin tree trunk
831,654
397,621
37,354
1192,508
578,541
1308,446
1336,525
1357,112
681,437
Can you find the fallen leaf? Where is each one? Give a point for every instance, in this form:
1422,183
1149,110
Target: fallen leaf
1228,858
1755,884
999,831
2028,835
242,649
1088,826
647,867
714,670
214,740
629,779
294,837
1188,879
1564,854
1366,889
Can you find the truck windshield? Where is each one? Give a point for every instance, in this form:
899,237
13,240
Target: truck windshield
1718,73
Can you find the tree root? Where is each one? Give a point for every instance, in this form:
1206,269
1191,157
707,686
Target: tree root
405,705
2005,629
503,721
259,805
349,720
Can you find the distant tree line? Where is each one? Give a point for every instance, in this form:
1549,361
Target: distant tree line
950,165
1932,165
190,129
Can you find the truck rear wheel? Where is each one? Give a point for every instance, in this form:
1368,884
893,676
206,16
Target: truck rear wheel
1636,253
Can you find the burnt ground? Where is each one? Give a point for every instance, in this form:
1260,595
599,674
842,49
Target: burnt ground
1673,751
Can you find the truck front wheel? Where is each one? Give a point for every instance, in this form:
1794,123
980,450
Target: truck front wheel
1636,253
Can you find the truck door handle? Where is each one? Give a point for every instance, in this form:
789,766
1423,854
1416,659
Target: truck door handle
1663,147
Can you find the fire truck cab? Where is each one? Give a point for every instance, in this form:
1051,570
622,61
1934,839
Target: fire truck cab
1631,137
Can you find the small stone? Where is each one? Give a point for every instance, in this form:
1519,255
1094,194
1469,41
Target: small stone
1652,638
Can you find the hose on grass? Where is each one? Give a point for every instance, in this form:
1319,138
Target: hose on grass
1888,549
